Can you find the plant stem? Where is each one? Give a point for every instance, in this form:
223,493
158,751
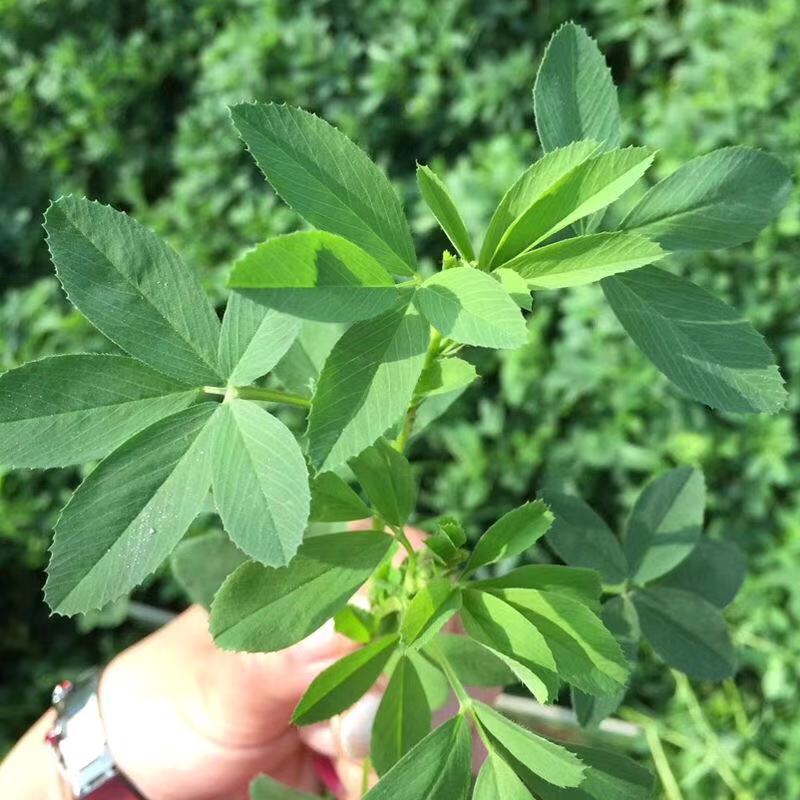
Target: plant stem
671,789
366,767
435,347
460,692
258,393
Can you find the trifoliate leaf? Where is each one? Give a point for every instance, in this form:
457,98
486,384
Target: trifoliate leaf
585,653
587,188
531,186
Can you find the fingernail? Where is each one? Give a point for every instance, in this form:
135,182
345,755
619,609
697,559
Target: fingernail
356,726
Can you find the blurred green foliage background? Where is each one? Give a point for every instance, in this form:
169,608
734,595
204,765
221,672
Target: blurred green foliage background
126,102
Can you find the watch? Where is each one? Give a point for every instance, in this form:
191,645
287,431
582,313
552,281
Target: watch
78,739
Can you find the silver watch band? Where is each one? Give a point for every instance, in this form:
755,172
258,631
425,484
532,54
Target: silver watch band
78,740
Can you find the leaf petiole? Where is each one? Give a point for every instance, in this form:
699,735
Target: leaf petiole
260,394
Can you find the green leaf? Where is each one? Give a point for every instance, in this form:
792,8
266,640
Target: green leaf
365,386
328,180
260,482
472,662
356,624
587,188
444,376
263,609
687,632
497,781
332,500
129,514
607,776
436,686
253,340
265,788
315,275
516,286
299,369
511,535
717,200
584,259
499,626
714,569
70,409
471,307
619,616
441,204
585,653
702,345
134,289
385,475
550,761
200,564
582,585
574,96
339,686
581,538
665,524
403,717
428,611
531,186
437,768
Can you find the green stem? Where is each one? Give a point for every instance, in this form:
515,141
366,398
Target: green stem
259,393
435,347
671,789
460,692
366,768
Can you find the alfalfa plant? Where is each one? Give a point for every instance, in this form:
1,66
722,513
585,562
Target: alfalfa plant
187,411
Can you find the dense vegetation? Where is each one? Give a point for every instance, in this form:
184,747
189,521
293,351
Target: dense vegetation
128,105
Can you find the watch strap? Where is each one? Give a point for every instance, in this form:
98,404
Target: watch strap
79,742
